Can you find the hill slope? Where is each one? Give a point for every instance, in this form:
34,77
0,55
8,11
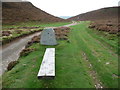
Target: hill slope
25,11
101,14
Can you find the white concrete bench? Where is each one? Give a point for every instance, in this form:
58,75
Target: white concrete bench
47,68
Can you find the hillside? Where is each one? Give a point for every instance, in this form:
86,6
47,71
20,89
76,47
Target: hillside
101,14
25,11
105,19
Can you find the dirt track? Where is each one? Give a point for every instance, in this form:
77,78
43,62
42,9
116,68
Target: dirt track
10,52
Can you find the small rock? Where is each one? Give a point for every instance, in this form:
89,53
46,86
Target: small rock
24,64
107,63
99,60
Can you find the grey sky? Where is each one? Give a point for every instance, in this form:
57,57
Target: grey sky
71,7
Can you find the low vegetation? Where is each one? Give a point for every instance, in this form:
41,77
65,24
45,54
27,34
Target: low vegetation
72,69
12,64
34,24
11,32
107,26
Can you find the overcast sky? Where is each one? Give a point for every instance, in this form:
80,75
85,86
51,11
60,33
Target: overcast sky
72,7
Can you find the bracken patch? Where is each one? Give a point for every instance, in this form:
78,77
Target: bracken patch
11,65
62,33
26,51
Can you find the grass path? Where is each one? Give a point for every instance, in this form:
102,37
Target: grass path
72,69
98,56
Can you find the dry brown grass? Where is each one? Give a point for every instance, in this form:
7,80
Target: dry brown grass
111,26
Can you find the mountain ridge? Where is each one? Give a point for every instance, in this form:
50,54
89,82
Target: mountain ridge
25,11
106,13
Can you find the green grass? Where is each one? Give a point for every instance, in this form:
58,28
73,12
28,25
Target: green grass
96,51
110,40
34,24
71,68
